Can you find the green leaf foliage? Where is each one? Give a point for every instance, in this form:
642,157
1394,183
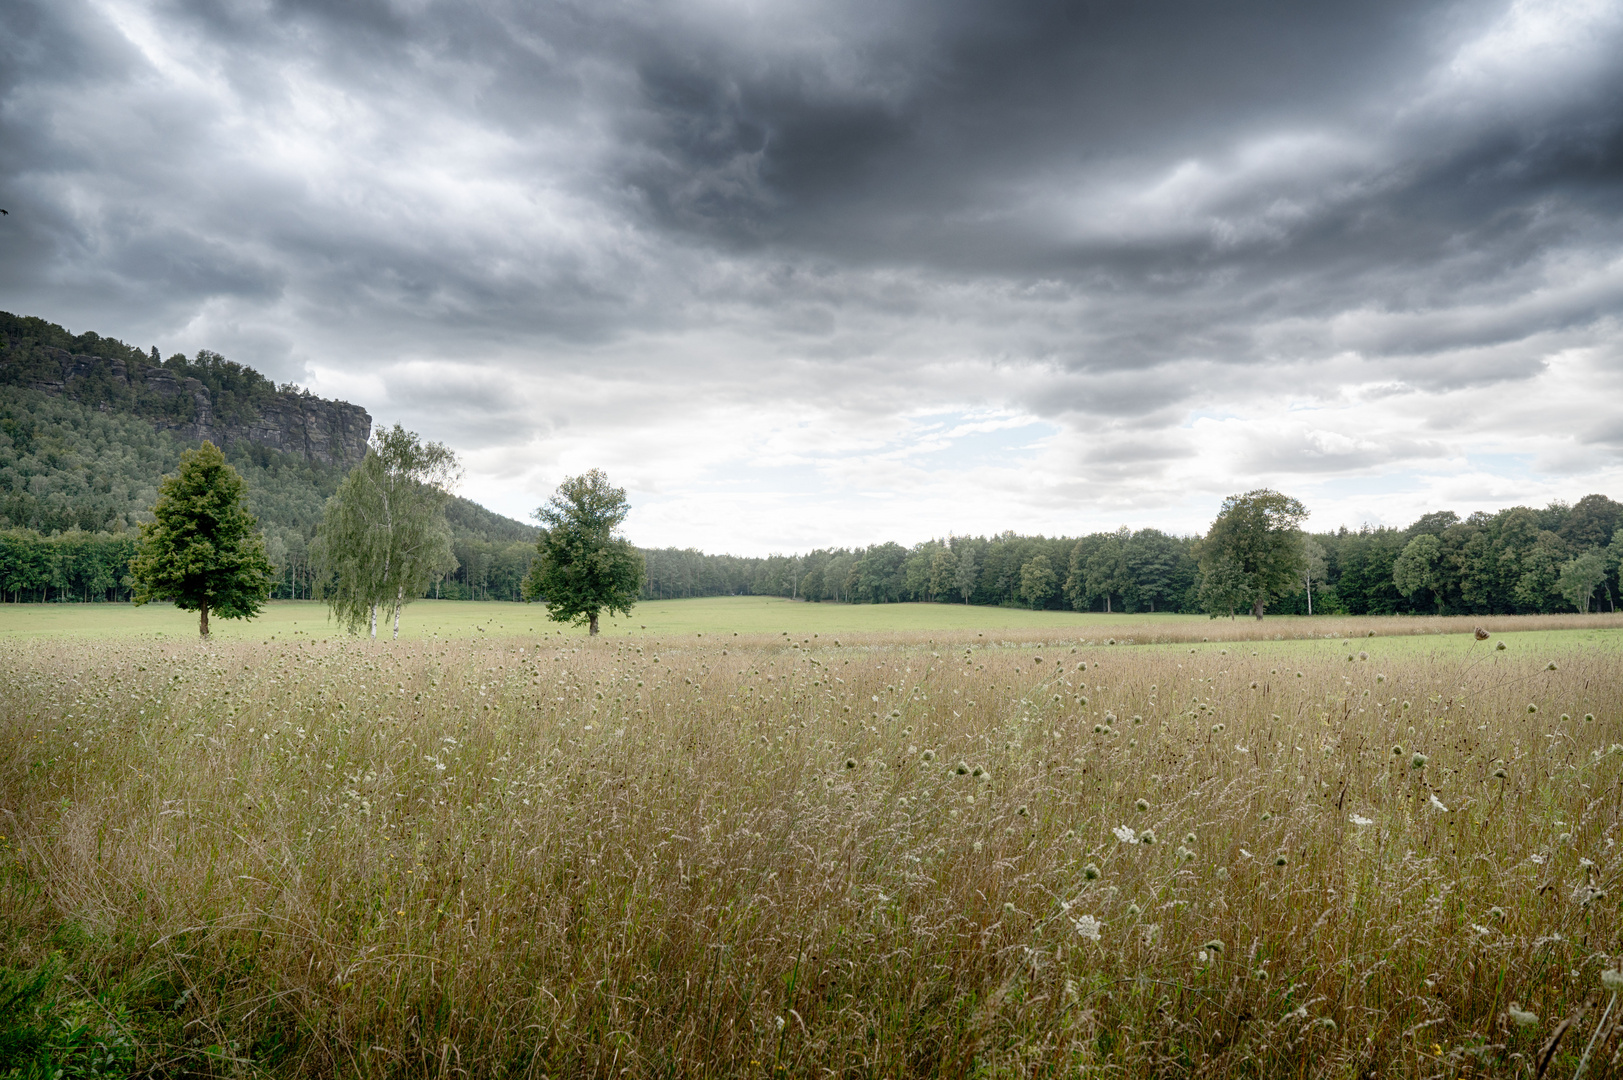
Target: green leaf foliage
1255,549
203,550
384,538
582,569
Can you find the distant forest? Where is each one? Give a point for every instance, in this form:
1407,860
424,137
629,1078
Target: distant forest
1500,563
78,472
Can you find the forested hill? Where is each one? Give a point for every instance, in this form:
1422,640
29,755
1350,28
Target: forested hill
89,426
206,397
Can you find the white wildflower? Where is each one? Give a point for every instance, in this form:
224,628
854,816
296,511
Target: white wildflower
1437,804
1088,927
1125,834
1360,820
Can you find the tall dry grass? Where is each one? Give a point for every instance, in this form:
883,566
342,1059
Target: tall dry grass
714,858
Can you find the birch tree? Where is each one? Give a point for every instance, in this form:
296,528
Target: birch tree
1313,568
383,538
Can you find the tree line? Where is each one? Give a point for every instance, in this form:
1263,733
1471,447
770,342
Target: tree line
1516,560
1520,559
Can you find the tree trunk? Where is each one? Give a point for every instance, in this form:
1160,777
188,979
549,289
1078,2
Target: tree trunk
374,622
399,599
203,622
1256,608
1310,595
594,625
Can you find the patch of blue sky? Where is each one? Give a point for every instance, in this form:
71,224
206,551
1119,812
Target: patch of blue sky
961,440
1371,483
1504,466
1195,416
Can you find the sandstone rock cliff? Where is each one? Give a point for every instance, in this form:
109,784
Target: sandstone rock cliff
333,433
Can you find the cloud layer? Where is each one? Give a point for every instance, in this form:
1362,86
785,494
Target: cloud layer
807,273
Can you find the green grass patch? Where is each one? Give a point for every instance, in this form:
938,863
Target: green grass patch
767,616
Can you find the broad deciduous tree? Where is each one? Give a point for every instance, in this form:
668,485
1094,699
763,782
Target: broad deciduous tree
1580,578
1038,580
583,568
1253,551
1420,568
203,549
967,575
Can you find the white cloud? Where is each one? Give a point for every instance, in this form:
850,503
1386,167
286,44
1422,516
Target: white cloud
758,262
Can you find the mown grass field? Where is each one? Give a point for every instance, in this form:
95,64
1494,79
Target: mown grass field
424,619
989,850
752,616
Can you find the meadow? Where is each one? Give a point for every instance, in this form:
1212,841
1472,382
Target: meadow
752,616
1029,849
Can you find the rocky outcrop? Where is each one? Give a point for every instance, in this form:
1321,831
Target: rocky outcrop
333,433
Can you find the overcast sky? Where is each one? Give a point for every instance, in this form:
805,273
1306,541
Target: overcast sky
830,272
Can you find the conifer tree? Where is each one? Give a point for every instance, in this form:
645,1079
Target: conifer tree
203,550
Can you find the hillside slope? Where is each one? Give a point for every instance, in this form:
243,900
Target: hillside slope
89,426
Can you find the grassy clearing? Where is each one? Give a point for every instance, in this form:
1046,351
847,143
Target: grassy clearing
758,617
922,854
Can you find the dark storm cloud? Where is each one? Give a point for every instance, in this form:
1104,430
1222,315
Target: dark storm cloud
943,138
1112,216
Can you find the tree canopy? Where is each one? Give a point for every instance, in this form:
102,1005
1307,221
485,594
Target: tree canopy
582,568
203,549
1254,549
384,538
